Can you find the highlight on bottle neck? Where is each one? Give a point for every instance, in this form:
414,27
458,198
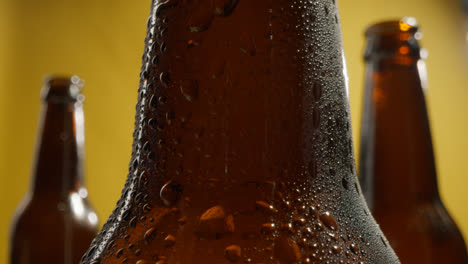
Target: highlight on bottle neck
62,89
394,39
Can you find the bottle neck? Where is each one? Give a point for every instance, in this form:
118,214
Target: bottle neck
397,162
58,168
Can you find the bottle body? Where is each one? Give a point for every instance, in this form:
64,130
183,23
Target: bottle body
242,148
398,174
55,222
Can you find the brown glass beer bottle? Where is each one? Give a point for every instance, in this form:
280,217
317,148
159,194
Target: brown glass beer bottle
55,223
242,148
397,168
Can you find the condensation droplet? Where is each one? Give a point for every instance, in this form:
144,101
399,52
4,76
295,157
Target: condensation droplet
287,229
383,241
169,241
297,221
214,222
155,60
356,186
163,47
286,250
328,221
152,123
217,68
313,168
345,183
308,233
224,7
182,221
247,45
316,117
267,228
119,253
170,116
265,207
200,20
189,89
147,208
232,253
317,91
149,235
336,250
313,211
165,78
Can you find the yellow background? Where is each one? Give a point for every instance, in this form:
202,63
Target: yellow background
102,41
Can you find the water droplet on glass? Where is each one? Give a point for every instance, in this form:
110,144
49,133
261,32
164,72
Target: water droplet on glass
232,253
150,234
119,253
163,47
265,207
286,250
189,89
308,233
316,118
135,164
267,228
214,222
313,168
182,221
313,211
383,241
155,60
287,229
152,123
356,186
317,91
328,221
217,68
297,221
147,208
345,183
200,20
248,45
169,241
132,222
170,116
164,78
224,7
336,250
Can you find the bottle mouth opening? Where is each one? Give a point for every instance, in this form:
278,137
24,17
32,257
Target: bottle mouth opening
404,25
62,89
393,38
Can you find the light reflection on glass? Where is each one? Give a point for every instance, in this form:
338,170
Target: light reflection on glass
83,193
423,73
92,218
77,204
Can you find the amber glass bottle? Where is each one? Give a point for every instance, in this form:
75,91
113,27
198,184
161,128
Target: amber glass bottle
55,223
397,168
242,148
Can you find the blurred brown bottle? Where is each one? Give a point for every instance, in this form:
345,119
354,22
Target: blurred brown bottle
397,168
242,147
55,223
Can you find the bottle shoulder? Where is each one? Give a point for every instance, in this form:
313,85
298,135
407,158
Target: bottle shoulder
52,211
430,220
